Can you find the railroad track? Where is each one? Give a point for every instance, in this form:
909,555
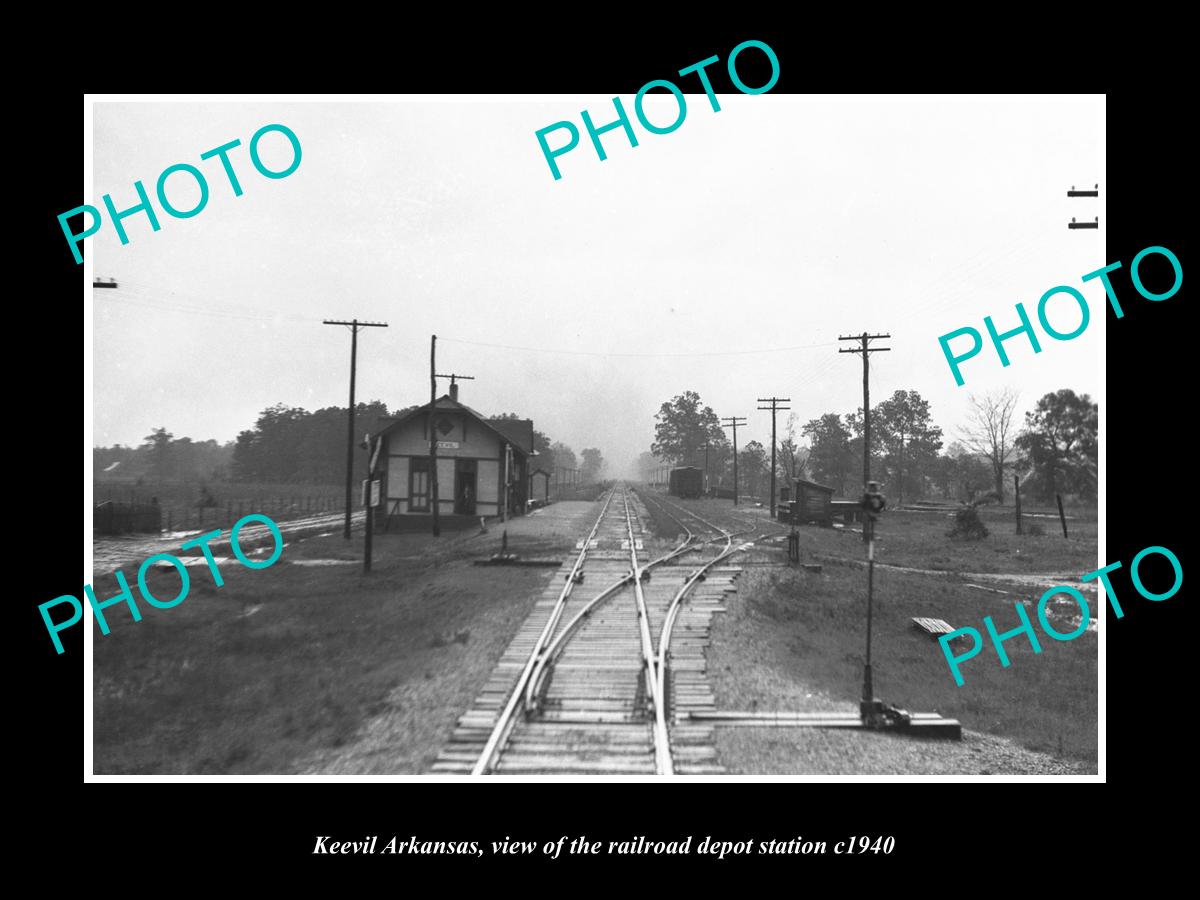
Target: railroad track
111,553
604,669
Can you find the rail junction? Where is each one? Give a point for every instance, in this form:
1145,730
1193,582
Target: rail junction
605,673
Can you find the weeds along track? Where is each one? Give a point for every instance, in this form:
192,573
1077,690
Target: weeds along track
589,683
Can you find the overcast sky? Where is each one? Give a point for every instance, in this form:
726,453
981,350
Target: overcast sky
725,258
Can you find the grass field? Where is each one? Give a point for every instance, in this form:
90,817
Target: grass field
283,664
918,539
795,639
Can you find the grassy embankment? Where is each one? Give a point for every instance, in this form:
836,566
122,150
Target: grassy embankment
287,662
801,635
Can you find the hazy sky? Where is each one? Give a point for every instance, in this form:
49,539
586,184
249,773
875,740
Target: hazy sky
725,258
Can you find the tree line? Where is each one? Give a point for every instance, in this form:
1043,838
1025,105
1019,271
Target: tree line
553,455
1053,452
291,445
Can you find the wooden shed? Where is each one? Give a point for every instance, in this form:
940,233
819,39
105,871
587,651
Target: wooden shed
812,503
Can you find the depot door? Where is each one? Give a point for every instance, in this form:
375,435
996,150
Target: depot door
464,487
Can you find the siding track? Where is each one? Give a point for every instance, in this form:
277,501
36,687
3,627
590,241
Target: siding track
600,678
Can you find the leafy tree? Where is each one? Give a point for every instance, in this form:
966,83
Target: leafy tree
564,456
753,464
908,440
959,474
593,465
792,461
289,444
1059,445
989,431
830,458
683,428
159,444
647,465
790,458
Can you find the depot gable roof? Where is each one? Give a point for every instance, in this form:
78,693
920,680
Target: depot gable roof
507,430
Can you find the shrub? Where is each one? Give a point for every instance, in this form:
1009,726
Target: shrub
967,525
1035,529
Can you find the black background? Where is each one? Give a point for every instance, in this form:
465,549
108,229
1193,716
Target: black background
270,829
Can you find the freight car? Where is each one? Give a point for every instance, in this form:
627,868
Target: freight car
686,481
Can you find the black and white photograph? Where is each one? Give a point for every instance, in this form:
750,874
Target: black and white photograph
708,432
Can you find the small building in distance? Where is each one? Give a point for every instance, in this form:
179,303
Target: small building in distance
482,464
812,503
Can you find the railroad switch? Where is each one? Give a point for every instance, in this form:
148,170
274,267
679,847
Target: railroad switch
880,715
873,716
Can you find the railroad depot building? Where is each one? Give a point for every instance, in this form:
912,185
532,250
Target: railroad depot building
482,464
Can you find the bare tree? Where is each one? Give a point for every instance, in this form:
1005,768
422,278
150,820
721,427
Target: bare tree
989,431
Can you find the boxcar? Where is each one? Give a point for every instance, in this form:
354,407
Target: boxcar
686,481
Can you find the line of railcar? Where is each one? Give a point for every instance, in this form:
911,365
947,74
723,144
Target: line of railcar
686,482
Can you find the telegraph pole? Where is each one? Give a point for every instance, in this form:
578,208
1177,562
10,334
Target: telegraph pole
734,422
433,479
774,407
454,380
354,325
865,339
1092,193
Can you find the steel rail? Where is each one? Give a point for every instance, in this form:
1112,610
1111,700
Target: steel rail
662,744
504,724
551,653
664,640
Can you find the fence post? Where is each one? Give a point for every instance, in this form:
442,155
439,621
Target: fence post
1061,516
1017,496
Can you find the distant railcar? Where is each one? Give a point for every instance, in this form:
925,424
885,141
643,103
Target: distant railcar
686,481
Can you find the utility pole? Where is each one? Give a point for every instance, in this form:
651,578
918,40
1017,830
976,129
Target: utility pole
707,444
354,325
454,380
1092,193
433,479
734,422
774,407
865,339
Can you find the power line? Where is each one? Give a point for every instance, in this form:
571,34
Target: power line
641,355
136,299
